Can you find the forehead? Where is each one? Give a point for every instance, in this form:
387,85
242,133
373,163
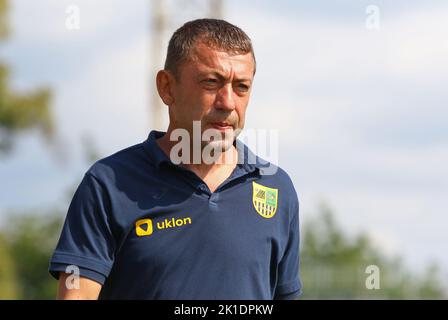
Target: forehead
204,59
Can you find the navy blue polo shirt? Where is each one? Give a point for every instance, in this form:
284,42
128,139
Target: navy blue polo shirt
146,228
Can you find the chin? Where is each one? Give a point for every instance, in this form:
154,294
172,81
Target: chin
220,145
218,140
212,151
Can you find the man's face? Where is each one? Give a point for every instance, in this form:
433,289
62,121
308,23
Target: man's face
213,87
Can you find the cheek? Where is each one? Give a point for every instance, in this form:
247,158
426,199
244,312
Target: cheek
206,98
189,104
204,103
241,111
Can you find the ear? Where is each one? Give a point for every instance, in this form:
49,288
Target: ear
165,84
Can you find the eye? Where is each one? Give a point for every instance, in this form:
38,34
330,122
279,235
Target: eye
210,83
243,88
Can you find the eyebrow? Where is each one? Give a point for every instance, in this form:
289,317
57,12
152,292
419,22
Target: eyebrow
223,78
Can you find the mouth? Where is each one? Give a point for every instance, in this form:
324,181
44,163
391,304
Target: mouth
222,126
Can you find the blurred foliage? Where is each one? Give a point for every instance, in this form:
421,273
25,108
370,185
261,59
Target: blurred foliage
333,266
29,240
8,278
20,111
3,19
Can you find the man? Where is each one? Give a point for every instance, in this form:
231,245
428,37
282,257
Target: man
154,221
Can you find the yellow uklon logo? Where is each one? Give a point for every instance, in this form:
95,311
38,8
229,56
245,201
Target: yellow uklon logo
264,200
143,227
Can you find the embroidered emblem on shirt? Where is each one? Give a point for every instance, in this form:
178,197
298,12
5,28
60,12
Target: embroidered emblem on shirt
264,200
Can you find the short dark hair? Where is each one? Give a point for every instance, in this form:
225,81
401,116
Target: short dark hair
215,33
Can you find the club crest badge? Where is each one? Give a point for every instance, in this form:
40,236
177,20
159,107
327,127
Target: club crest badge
264,200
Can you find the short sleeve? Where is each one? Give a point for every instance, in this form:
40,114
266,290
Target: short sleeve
289,284
86,240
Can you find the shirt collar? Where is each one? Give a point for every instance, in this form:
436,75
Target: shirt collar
247,160
156,154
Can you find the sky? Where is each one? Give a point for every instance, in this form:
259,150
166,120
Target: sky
361,112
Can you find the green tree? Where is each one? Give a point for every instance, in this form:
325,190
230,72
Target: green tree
334,266
3,22
20,111
8,279
31,239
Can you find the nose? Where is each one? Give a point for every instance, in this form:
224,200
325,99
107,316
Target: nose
225,98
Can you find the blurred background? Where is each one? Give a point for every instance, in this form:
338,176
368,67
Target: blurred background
356,90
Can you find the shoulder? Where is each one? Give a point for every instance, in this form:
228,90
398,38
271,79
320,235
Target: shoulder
278,177
123,162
